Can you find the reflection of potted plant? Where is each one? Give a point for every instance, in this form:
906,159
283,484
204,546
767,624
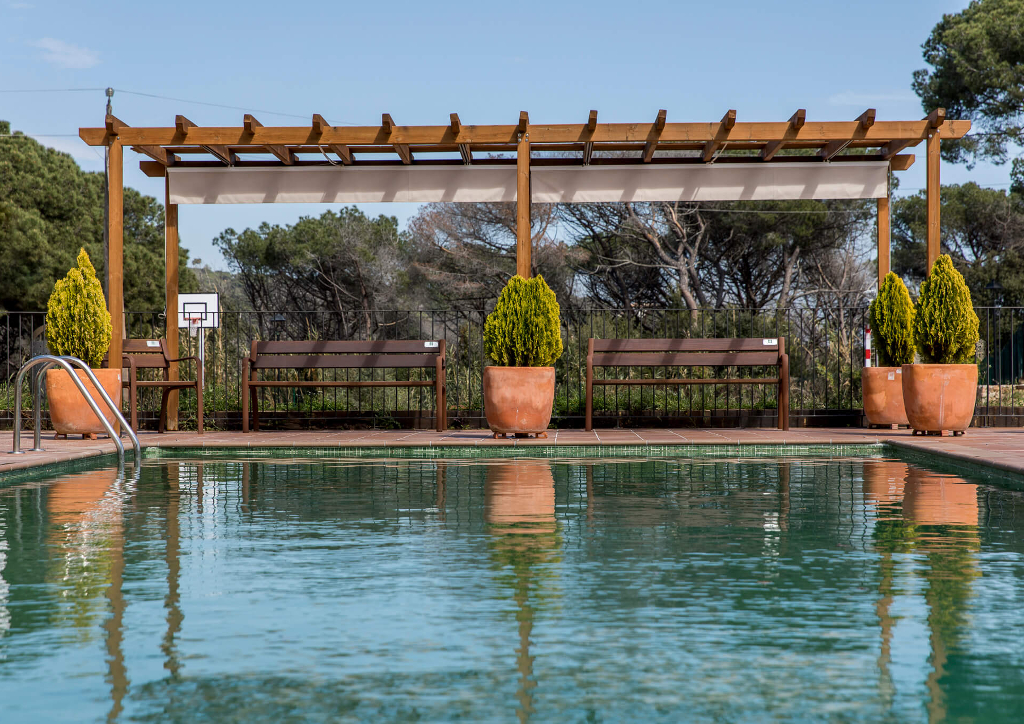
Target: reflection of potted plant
940,393
523,337
891,317
78,324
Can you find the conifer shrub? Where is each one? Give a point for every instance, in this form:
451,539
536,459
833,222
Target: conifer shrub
524,330
945,325
891,316
77,320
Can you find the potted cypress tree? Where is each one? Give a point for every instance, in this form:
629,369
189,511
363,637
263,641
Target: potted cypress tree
891,317
523,337
941,391
78,324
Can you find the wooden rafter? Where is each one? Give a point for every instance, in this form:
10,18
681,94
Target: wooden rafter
524,123
319,126
725,127
464,150
279,151
796,122
387,125
588,147
652,143
833,148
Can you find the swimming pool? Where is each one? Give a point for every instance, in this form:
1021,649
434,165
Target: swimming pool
229,589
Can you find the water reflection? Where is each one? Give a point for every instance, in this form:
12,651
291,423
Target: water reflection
519,507
933,518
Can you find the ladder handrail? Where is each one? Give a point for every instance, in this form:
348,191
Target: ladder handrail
48,360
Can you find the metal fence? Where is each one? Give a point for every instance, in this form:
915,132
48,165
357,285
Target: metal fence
826,348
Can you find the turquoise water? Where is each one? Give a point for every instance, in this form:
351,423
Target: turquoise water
643,590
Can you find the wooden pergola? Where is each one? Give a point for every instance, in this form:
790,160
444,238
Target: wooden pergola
524,161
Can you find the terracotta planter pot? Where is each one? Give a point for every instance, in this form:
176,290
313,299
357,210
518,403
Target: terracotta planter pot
519,399
940,397
69,411
883,395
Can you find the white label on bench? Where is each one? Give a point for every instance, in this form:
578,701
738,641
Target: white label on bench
892,375
770,342
152,343
430,345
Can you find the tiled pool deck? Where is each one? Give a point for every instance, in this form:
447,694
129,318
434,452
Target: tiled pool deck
1000,448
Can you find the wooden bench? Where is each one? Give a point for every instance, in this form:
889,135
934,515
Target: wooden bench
756,352
139,354
421,354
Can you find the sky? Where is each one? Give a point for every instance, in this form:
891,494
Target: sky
420,61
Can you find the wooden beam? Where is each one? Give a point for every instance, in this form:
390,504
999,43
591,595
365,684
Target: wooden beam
156,153
901,163
652,145
115,249
725,127
279,151
880,133
343,152
867,118
936,118
464,149
883,239
387,124
524,239
153,169
319,125
933,202
588,147
832,149
893,147
222,153
524,122
171,297
796,122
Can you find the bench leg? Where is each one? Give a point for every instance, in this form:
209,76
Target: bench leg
255,402
590,399
245,403
784,392
439,403
162,426
132,393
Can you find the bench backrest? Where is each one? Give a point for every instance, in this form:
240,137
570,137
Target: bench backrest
740,352
346,355
146,353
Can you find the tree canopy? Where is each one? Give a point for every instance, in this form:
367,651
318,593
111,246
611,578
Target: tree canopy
977,73
50,208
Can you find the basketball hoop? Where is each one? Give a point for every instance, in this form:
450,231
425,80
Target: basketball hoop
194,324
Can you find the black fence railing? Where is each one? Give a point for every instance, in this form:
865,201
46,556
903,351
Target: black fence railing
826,348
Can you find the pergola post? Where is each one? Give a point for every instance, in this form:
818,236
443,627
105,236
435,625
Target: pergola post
932,198
524,241
883,239
115,241
171,296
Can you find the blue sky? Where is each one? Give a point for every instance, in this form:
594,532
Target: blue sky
420,61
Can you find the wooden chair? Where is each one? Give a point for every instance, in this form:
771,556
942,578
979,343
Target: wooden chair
758,353
153,354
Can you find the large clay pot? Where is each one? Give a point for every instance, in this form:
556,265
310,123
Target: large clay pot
519,399
69,412
882,388
940,397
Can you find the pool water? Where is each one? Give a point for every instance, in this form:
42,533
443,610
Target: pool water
502,590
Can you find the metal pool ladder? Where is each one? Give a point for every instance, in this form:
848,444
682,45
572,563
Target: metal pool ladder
44,362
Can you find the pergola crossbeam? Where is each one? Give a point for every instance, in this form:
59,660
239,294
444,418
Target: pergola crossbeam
588,146
796,122
464,149
387,125
652,144
278,151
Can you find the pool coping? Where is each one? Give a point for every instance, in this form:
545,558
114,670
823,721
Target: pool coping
986,452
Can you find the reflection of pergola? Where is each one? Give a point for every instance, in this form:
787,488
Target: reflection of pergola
581,162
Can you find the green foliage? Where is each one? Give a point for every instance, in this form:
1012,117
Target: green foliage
977,74
77,320
891,317
50,208
945,327
524,330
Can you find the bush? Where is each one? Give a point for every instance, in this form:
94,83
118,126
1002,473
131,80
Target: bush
524,329
945,326
77,320
891,317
